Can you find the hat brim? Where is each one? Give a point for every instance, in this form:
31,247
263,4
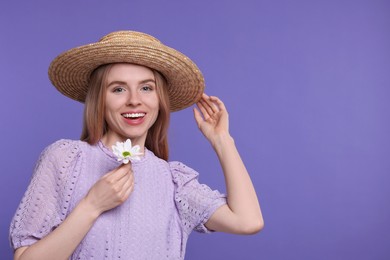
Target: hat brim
70,71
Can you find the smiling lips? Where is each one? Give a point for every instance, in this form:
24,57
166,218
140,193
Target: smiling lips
134,118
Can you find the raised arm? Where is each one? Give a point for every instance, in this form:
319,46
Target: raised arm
242,214
110,191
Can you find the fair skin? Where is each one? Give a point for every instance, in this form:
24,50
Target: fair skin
242,214
131,104
131,109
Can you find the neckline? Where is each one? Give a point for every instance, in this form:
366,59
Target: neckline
112,156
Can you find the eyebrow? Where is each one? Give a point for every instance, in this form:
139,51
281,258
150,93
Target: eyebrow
118,82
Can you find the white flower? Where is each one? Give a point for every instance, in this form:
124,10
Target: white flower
125,152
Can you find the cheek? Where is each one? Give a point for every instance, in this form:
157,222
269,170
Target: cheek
155,107
154,103
110,110
108,113
114,103
108,118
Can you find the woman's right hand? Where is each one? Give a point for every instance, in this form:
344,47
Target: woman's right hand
108,192
112,189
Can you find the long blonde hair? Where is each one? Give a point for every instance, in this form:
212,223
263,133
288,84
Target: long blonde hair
95,125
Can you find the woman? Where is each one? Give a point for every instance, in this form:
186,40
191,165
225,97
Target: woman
84,204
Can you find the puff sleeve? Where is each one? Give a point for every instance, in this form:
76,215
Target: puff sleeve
45,203
195,202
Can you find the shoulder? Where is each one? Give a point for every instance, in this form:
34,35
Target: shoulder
65,146
59,165
181,173
61,153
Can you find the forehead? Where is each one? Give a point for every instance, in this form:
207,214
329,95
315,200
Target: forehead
129,72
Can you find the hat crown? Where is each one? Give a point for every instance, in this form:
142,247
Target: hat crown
128,36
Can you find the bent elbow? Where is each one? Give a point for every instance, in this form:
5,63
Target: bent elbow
253,227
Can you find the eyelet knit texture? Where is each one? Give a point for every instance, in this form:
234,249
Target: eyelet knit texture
167,203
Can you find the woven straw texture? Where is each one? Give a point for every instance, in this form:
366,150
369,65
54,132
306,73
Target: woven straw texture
70,71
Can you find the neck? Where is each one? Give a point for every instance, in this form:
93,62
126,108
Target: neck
109,140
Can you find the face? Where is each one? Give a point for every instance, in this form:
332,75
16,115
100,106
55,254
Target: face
132,103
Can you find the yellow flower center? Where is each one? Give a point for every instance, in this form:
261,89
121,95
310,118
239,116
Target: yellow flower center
126,153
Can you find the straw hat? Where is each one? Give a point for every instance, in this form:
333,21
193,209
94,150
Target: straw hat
70,71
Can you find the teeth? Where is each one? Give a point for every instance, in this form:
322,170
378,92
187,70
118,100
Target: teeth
133,115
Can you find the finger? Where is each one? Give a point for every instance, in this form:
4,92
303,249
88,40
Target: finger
125,183
129,176
210,104
207,105
127,187
218,102
120,172
110,173
203,109
198,117
128,191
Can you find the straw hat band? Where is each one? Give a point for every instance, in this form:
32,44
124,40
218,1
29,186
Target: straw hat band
70,72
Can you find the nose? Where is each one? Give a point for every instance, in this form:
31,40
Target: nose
134,98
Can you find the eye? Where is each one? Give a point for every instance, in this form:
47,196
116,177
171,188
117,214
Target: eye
146,88
118,89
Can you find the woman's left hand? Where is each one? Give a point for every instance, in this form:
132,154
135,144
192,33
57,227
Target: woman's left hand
212,118
242,214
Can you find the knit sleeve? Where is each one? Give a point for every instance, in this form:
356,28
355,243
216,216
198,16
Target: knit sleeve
195,202
45,203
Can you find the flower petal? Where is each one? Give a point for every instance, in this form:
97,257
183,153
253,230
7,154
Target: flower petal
125,160
127,145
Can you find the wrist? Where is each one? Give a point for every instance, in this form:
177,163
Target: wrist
89,209
222,141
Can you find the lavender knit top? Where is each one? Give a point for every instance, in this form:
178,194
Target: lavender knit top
167,203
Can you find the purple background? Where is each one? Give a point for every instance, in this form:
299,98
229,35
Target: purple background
307,87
